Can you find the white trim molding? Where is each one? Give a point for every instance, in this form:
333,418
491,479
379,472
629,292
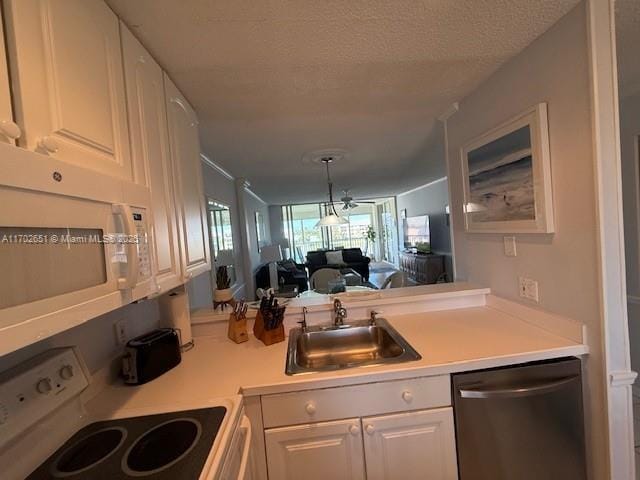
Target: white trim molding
453,108
210,163
254,194
622,379
443,179
611,258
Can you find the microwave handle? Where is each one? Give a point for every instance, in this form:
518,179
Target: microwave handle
131,278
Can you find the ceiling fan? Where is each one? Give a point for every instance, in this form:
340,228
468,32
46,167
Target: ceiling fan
349,203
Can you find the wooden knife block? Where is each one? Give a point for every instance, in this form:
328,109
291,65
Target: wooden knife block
237,329
268,337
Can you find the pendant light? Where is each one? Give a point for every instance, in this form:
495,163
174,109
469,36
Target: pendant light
332,218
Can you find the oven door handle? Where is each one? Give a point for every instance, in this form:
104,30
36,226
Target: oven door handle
130,280
517,391
244,463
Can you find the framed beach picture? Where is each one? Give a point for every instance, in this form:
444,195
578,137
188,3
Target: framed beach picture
507,177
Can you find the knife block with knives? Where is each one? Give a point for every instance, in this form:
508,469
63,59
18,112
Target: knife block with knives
268,326
238,323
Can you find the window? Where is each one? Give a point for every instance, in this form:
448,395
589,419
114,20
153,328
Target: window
303,235
220,227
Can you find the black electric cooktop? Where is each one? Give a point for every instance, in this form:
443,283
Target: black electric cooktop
165,446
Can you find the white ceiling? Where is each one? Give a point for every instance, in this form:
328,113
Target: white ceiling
628,45
274,79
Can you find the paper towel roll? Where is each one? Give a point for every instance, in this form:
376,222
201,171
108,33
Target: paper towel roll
175,313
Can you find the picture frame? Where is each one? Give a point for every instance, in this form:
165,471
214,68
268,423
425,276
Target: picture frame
507,177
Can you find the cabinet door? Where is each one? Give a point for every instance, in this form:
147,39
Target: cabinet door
9,130
68,83
187,168
316,451
415,445
151,156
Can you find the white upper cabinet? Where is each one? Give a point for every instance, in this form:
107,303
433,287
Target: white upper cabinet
68,82
330,450
9,130
187,168
151,155
412,445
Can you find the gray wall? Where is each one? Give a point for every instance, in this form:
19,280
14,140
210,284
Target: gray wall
96,338
553,69
219,187
629,132
251,204
431,200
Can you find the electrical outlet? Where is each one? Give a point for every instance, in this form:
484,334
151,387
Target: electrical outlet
120,328
510,246
528,289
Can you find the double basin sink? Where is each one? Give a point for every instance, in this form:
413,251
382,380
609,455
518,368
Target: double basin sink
318,349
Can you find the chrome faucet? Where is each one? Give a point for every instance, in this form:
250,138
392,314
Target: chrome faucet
303,323
340,313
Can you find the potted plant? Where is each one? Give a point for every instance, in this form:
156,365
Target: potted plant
222,293
371,237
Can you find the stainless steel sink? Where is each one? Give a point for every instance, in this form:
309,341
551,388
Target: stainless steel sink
359,343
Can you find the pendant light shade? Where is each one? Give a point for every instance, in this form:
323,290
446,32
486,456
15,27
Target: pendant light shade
331,219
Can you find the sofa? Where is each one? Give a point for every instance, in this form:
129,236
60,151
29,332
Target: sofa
351,258
292,273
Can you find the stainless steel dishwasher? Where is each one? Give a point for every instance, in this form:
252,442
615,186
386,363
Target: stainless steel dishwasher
521,423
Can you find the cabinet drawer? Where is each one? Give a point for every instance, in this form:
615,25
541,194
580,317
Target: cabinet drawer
356,401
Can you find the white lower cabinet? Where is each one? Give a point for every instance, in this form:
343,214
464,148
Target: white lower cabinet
327,450
413,445
394,429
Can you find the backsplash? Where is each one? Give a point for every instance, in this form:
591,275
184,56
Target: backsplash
95,338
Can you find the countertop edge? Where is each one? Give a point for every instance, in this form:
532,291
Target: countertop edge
408,372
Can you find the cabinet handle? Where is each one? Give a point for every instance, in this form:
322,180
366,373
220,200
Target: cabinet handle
407,396
354,430
310,408
48,144
370,429
10,129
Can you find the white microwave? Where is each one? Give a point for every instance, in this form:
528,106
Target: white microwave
68,252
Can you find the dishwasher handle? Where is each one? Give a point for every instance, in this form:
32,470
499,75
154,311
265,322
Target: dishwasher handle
517,391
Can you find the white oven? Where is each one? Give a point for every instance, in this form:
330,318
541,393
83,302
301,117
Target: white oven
69,251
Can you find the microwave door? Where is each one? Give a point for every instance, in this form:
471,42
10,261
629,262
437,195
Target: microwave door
61,263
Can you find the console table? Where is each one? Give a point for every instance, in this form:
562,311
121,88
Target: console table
422,268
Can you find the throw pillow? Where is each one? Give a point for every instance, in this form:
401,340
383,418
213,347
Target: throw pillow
334,258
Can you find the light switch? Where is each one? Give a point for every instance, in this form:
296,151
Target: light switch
510,246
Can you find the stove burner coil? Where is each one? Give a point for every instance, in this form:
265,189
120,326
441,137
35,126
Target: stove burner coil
161,447
88,452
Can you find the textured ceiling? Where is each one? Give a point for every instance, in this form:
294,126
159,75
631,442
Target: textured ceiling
628,46
274,79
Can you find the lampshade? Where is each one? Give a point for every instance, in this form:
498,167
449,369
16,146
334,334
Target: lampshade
331,220
224,257
270,253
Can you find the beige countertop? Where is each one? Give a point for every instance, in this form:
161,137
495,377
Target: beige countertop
449,341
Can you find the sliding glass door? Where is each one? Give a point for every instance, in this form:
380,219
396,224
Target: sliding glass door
377,215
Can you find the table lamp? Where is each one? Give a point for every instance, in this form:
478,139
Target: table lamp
272,254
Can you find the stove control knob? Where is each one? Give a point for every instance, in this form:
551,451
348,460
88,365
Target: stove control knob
66,372
44,385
